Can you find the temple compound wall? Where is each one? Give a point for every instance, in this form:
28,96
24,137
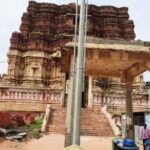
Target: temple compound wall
36,73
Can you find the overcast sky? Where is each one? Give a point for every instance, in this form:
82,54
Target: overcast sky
12,10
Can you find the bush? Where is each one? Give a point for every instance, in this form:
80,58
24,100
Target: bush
38,33
35,133
34,129
36,125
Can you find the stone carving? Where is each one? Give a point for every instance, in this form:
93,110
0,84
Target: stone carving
43,30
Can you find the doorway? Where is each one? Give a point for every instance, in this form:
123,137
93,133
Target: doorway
139,121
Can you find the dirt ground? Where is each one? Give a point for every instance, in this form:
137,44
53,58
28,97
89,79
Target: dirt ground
56,142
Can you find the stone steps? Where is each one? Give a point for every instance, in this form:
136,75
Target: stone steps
93,122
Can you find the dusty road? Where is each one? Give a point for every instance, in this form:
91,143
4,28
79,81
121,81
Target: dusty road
56,142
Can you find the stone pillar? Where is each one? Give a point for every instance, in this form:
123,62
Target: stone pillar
104,100
52,95
36,97
90,97
10,97
13,94
61,97
129,112
108,100
70,105
30,95
16,96
116,99
27,95
24,95
100,99
19,95
41,96
46,118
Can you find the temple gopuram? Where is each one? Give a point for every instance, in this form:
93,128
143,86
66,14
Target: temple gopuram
39,66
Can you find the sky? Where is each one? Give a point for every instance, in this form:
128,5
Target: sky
12,10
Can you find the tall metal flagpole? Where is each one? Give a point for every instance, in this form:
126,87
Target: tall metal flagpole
79,77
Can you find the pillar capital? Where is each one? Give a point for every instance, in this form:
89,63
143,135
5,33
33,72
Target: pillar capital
129,81
126,79
148,65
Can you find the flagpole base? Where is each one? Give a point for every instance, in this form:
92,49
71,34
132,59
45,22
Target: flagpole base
73,147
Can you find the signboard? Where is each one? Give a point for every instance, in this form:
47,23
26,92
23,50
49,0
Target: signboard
123,122
147,120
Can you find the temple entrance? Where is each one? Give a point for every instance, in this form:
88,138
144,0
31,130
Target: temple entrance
84,103
123,60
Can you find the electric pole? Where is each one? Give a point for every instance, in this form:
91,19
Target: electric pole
79,78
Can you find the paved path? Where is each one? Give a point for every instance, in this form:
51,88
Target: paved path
56,142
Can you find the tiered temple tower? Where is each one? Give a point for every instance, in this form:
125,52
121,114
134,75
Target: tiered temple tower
45,28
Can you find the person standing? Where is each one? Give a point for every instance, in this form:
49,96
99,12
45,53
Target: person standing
145,135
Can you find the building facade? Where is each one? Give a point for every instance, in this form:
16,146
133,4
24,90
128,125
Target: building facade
37,71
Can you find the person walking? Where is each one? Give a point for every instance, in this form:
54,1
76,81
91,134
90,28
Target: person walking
145,135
